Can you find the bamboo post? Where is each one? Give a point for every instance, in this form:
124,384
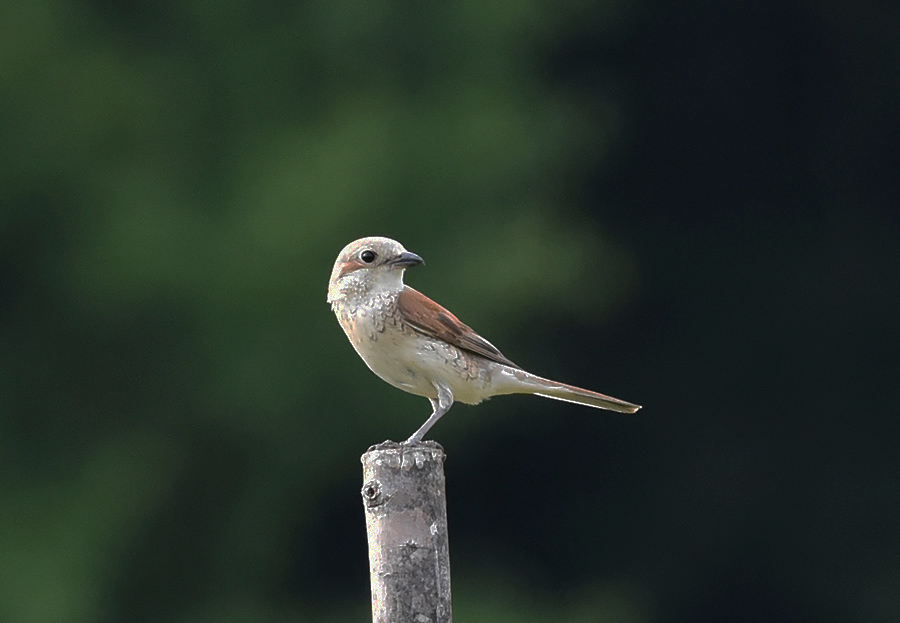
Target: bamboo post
406,521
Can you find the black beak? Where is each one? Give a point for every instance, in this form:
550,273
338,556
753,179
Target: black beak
407,259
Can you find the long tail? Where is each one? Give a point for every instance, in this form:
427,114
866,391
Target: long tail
570,393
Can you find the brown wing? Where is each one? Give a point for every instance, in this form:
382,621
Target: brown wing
430,318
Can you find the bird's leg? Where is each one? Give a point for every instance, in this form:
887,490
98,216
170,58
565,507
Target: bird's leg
440,406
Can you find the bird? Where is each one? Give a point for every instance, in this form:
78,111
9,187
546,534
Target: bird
416,345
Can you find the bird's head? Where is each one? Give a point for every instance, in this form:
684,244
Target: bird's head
369,265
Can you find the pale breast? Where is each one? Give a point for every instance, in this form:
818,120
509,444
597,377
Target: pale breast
410,360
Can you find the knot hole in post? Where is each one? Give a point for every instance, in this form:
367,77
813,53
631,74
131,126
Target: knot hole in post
371,493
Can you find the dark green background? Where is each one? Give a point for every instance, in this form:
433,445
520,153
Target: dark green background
689,205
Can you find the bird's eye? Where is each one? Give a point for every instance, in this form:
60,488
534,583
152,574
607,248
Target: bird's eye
368,256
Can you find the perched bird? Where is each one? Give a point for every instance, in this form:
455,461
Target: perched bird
418,346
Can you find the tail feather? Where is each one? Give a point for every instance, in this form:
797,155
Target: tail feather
570,393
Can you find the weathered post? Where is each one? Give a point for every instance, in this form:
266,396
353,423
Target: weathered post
406,520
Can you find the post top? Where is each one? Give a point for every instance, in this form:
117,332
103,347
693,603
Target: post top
396,445
391,453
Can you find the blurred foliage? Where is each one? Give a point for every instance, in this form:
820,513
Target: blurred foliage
687,205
